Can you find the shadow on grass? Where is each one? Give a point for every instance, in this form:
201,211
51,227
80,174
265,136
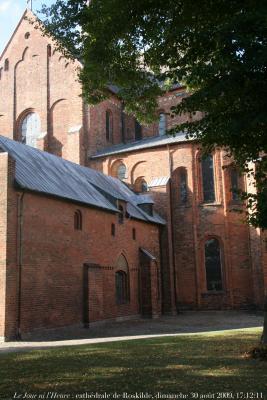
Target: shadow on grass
168,365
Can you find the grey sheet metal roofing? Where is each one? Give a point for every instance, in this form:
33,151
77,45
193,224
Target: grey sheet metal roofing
45,173
145,143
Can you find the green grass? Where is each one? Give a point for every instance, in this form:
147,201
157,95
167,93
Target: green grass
203,363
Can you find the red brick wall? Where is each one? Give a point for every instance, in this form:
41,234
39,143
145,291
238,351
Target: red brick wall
53,255
191,224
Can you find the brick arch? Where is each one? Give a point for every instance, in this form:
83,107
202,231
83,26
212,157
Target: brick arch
20,119
114,167
122,263
59,126
134,172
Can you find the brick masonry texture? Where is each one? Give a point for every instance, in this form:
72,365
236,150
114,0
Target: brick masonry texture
49,266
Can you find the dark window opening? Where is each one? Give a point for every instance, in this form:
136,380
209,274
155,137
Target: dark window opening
6,67
113,229
235,184
147,207
109,126
27,35
213,265
134,234
122,292
78,220
138,130
49,50
208,179
183,186
121,215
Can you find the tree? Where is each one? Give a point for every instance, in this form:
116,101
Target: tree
217,49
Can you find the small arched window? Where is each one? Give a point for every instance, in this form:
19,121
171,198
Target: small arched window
30,129
109,126
208,184
234,175
141,185
162,124
121,171
78,220
6,66
213,265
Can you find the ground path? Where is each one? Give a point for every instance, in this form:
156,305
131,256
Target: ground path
184,323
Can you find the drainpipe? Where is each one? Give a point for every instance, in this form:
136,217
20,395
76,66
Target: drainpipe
20,255
172,230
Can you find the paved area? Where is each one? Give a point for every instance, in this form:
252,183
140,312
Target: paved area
184,323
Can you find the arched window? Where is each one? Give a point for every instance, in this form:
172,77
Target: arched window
109,126
78,223
213,265
234,175
121,287
121,215
162,124
208,184
122,281
138,131
141,185
183,185
30,129
121,171
6,66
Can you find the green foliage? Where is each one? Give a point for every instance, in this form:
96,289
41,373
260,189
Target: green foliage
217,49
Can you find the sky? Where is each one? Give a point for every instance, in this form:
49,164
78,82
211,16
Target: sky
10,14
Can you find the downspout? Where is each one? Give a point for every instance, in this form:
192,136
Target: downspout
172,229
20,255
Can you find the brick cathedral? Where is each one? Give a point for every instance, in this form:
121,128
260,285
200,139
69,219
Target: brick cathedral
102,218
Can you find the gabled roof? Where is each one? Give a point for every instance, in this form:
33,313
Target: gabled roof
44,173
146,143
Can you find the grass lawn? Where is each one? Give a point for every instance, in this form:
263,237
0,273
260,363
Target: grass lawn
204,364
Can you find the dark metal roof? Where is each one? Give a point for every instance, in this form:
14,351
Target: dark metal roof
145,143
45,173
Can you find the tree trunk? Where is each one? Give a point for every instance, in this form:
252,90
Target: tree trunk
264,334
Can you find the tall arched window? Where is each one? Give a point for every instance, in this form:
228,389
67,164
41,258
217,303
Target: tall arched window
121,171
208,184
30,129
78,222
122,281
213,265
183,185
234,175
162,124
109,126
137,131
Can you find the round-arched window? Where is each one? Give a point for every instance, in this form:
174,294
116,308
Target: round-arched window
30,129
121,172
